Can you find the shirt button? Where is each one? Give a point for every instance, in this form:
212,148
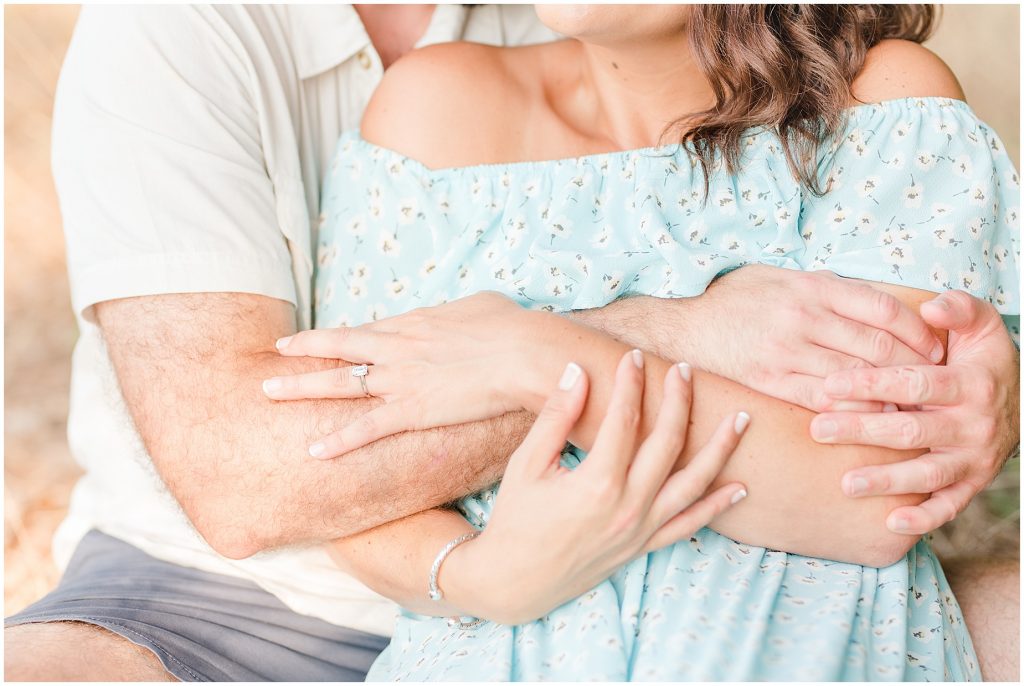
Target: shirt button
364,59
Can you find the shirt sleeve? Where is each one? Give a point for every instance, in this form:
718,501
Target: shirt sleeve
923,195
158,161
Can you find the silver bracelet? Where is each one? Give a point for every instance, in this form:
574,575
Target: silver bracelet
434,591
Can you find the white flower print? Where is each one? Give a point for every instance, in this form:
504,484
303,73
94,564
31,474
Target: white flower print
725,202
611,283
357,290
924,160
396,167
1001,256
602,238
900,132
975,227
977,195
866,223
444,204
696,232
375,312
560,228
938,277
355,169
942,236
865,187
389,245
963,166
912,195
531,188
898,255
327,296
356,226
326,254
361,271
731,242
408,211
967,281
398,287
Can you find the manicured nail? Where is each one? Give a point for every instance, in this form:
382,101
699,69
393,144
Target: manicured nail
684,371
638,359
742,419
858,485
890,407
899,525
570,376
317,449
824,429
271,386
282,342
838,386
738,496
937,353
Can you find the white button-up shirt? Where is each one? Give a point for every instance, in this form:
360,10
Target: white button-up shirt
189,144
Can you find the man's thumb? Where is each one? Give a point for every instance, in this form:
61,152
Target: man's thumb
958,311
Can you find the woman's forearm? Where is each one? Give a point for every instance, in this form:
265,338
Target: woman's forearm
795,502
395,560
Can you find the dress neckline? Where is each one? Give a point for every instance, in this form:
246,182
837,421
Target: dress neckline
355,136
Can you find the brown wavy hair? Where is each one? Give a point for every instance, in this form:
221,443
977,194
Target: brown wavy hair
788,68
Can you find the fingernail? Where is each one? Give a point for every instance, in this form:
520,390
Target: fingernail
742,419
858,485
570,376
317,449
638,359
271,386
838,386
282,342
738,496
684,371
899,525
890,407
823,430
940,303
937,353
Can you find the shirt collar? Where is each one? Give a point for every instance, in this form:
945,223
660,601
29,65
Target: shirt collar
324,36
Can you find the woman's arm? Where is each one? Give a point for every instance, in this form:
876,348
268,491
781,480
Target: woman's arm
795,505
555,533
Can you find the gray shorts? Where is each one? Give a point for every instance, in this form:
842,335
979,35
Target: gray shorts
202,626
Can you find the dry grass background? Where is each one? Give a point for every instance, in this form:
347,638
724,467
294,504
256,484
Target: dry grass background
980,42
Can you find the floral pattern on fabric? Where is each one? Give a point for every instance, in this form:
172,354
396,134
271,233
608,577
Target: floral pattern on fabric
922,195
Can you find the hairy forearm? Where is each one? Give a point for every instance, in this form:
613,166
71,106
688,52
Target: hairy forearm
238,463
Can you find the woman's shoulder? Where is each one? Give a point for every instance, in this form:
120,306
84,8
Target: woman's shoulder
895,69
446,103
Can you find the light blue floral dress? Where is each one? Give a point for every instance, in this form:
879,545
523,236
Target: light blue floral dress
923,195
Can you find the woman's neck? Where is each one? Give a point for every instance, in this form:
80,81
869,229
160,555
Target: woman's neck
630,94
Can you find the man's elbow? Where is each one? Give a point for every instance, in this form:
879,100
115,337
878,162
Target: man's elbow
221,526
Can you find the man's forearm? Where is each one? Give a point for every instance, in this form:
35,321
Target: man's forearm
238,463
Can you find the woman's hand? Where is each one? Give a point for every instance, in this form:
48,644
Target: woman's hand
459,362
555,533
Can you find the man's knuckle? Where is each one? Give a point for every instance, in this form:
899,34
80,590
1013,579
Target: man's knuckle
883,345
986,388
886,307
910,433
934,477
918,384
986,430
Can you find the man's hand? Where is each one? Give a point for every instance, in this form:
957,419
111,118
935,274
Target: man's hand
777,331
968,416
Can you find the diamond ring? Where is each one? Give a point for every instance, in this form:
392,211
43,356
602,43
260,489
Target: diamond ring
360,373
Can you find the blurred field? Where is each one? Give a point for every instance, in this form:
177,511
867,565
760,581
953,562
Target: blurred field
980,42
